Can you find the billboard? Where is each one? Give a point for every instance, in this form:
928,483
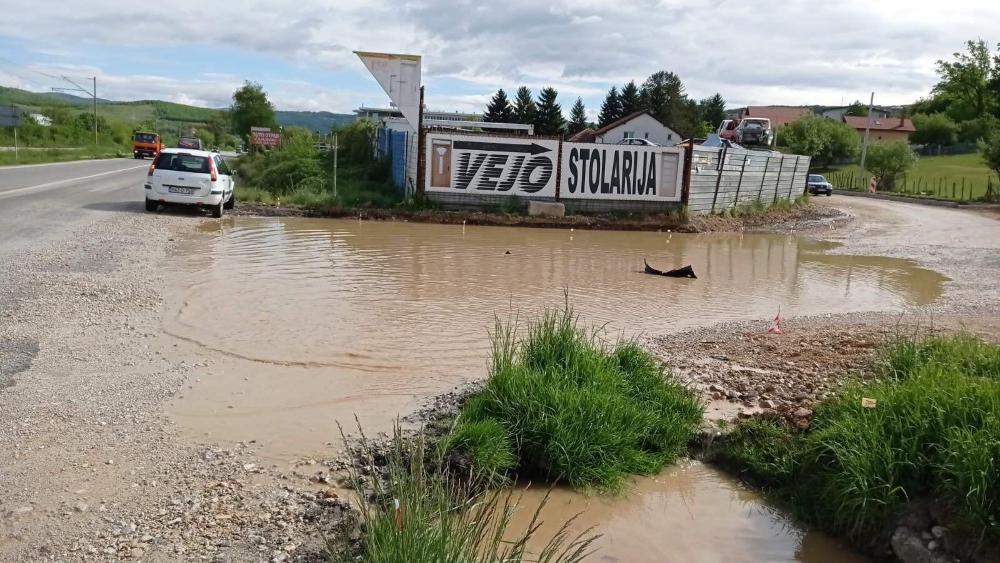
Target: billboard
399,76
486,165
262,136
621,172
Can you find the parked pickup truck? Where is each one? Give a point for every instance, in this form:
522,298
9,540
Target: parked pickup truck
749,131
145,144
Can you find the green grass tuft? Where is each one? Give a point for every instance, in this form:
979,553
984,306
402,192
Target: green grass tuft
576,410
441,518
934,434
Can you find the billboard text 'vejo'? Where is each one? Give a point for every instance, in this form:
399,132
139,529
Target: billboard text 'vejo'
491,165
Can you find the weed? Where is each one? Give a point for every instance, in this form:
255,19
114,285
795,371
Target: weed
417,513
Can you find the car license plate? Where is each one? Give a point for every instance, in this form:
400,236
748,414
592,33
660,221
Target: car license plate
180,190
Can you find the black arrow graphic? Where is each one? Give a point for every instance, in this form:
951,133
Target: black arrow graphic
500,147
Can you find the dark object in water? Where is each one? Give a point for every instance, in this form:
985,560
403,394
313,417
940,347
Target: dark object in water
685,272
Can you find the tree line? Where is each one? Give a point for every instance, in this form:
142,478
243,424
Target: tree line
662,94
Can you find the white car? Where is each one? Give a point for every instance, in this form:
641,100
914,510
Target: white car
190,177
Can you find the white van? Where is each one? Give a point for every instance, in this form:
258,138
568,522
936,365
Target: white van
190,177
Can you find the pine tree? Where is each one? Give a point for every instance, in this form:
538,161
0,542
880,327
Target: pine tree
611,109
631,101
663,97
550,119
577,118
499,109
713,110
525,110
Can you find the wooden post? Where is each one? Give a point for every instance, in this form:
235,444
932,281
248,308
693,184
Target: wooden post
420,187
688,162
718,179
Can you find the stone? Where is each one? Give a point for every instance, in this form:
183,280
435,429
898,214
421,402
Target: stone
932,545
546,209
81,507
939,531
803,413
909,548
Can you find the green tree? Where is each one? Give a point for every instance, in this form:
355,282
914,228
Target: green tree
663,97
973,130
219,125
630,99
251,108
934,129
525,110
967,82
550,119
888,160
713,111
611,109
825,140
857,109
989,148
499,109
577,117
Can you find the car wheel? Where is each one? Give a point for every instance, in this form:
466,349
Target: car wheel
151,204
217,210
231,202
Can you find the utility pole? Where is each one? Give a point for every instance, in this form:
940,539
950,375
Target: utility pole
91,93
868,126
336,147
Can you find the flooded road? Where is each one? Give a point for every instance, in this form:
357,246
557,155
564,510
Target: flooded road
690,513
323,320
311,322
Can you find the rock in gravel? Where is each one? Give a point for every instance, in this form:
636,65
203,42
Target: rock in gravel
803,413
939,531
909,548
81,507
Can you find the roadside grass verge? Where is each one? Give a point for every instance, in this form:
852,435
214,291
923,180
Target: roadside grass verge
951,177
418,512
44,156
562,406
934,435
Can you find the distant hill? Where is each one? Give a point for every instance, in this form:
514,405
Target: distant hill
321,121
168,116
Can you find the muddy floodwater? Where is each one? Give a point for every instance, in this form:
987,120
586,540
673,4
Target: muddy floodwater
310,322
690,513
320,320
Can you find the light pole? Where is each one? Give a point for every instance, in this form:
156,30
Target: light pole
91,93
868,126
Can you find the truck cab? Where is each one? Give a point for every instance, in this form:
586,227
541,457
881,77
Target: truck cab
146,144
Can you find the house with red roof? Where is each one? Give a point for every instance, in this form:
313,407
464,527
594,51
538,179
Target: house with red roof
882,129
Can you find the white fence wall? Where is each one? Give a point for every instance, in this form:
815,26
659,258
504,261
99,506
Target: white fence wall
722,179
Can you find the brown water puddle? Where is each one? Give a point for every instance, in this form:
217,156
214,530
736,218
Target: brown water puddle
316,321
690,513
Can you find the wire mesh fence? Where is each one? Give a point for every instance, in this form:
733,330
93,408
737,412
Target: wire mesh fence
953,188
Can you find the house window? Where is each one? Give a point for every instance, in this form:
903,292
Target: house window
670,136
630,134
647,134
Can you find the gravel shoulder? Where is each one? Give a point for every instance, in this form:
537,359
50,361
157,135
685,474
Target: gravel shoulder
91,468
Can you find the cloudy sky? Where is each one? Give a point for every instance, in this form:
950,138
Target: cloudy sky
760,52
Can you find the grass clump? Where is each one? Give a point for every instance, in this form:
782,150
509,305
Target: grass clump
934,435
420,513
570,408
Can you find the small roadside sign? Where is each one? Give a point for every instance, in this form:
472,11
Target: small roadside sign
265,138
10,116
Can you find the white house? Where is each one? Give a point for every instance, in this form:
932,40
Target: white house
639,125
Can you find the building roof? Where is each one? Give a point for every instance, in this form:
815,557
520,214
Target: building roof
587,135
779,115
878,124
625,120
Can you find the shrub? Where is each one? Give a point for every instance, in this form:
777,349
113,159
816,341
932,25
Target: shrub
887,160
577,410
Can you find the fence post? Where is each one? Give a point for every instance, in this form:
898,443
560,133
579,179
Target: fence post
718,179
763,178
736,202
686,183
962,197
777,182
791,185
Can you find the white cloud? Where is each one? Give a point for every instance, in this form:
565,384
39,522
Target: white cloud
767,51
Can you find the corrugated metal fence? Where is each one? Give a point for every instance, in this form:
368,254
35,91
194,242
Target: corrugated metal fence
722,179
395,146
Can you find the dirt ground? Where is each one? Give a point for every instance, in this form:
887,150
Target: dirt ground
93,469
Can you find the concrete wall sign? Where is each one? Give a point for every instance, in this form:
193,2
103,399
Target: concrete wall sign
489,165
621,172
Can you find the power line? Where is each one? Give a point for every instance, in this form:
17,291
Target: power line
36,71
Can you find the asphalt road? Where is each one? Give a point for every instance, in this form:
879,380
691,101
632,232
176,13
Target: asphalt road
42,201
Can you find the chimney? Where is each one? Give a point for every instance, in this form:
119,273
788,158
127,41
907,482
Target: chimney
902,120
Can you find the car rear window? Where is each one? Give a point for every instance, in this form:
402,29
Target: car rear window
181,162
145,137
